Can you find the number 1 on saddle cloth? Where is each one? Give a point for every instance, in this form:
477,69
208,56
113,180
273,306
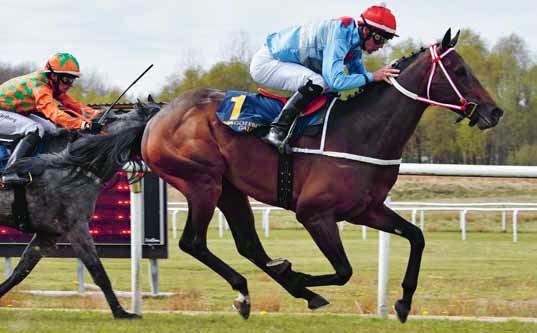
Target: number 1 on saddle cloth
254,112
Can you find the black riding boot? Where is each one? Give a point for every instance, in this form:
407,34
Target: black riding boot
24,148
279,129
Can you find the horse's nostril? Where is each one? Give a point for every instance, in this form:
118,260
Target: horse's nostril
497,113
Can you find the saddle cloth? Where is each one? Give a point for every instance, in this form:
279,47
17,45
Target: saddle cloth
246,112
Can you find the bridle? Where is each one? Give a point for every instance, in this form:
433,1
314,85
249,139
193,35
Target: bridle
466,109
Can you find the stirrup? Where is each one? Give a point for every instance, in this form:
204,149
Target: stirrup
14,179
284,147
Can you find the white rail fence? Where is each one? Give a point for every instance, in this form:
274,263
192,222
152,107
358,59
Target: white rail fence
513,208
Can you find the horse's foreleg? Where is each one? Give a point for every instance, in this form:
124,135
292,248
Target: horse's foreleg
387,220
84,248
202,196
30,257
237,210
324,231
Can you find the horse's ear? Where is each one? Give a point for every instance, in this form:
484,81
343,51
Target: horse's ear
151,100
455,39
446,40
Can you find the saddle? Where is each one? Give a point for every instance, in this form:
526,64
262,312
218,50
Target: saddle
315,105
253,113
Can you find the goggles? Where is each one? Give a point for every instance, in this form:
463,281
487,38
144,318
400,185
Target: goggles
378,38
68,80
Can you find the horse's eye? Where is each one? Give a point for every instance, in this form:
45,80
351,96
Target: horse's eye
461,71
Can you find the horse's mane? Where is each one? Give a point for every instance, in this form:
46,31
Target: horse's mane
374,90
100,155
103,155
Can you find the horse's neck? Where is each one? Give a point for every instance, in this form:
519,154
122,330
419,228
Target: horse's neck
56,144
383,127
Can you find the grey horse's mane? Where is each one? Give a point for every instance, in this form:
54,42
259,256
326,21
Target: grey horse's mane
98,155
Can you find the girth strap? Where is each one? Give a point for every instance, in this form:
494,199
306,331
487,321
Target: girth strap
285,180
19,208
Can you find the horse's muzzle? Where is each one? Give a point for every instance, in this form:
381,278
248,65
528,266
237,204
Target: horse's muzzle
489,118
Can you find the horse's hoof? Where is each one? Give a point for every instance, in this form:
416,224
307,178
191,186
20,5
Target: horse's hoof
317,302
401,310
243,307
279,266
127,315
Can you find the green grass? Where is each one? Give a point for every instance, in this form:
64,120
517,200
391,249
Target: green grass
56,321
487,275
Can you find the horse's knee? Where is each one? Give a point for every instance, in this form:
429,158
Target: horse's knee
195,248
417,240
343,275
187,245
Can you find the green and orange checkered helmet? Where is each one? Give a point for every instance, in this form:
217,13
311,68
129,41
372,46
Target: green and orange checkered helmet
63,63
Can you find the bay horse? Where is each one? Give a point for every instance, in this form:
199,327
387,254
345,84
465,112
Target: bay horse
62,196
213,166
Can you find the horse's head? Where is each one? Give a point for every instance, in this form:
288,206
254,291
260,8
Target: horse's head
142,113
452,83
147,109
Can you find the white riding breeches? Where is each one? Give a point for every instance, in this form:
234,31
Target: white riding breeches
14,124
273,73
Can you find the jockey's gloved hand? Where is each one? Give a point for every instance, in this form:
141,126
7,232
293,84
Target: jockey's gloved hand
92,127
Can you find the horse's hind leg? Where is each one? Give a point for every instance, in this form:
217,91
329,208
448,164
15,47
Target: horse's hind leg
34,251
202,193
237,210
84,248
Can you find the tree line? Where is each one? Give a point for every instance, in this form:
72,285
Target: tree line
506,69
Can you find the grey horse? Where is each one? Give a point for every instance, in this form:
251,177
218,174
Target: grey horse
65,187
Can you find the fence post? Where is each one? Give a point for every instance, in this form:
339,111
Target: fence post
137,213
384,255
220,224
422,219
364,232
266,222
463,223
504,225
515,225
80,275
153,276
174,224
414,211
8,267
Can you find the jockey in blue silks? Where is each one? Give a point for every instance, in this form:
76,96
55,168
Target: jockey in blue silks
311,59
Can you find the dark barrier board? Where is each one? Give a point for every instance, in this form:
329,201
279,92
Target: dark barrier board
110,225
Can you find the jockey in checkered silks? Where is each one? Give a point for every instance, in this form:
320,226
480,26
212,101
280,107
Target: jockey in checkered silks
28,108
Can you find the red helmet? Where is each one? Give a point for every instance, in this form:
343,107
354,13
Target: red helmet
379,18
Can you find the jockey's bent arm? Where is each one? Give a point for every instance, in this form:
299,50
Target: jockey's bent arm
78,107
338,45
44,103
356,66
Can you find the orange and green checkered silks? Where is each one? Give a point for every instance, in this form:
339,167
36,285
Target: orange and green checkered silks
31,92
